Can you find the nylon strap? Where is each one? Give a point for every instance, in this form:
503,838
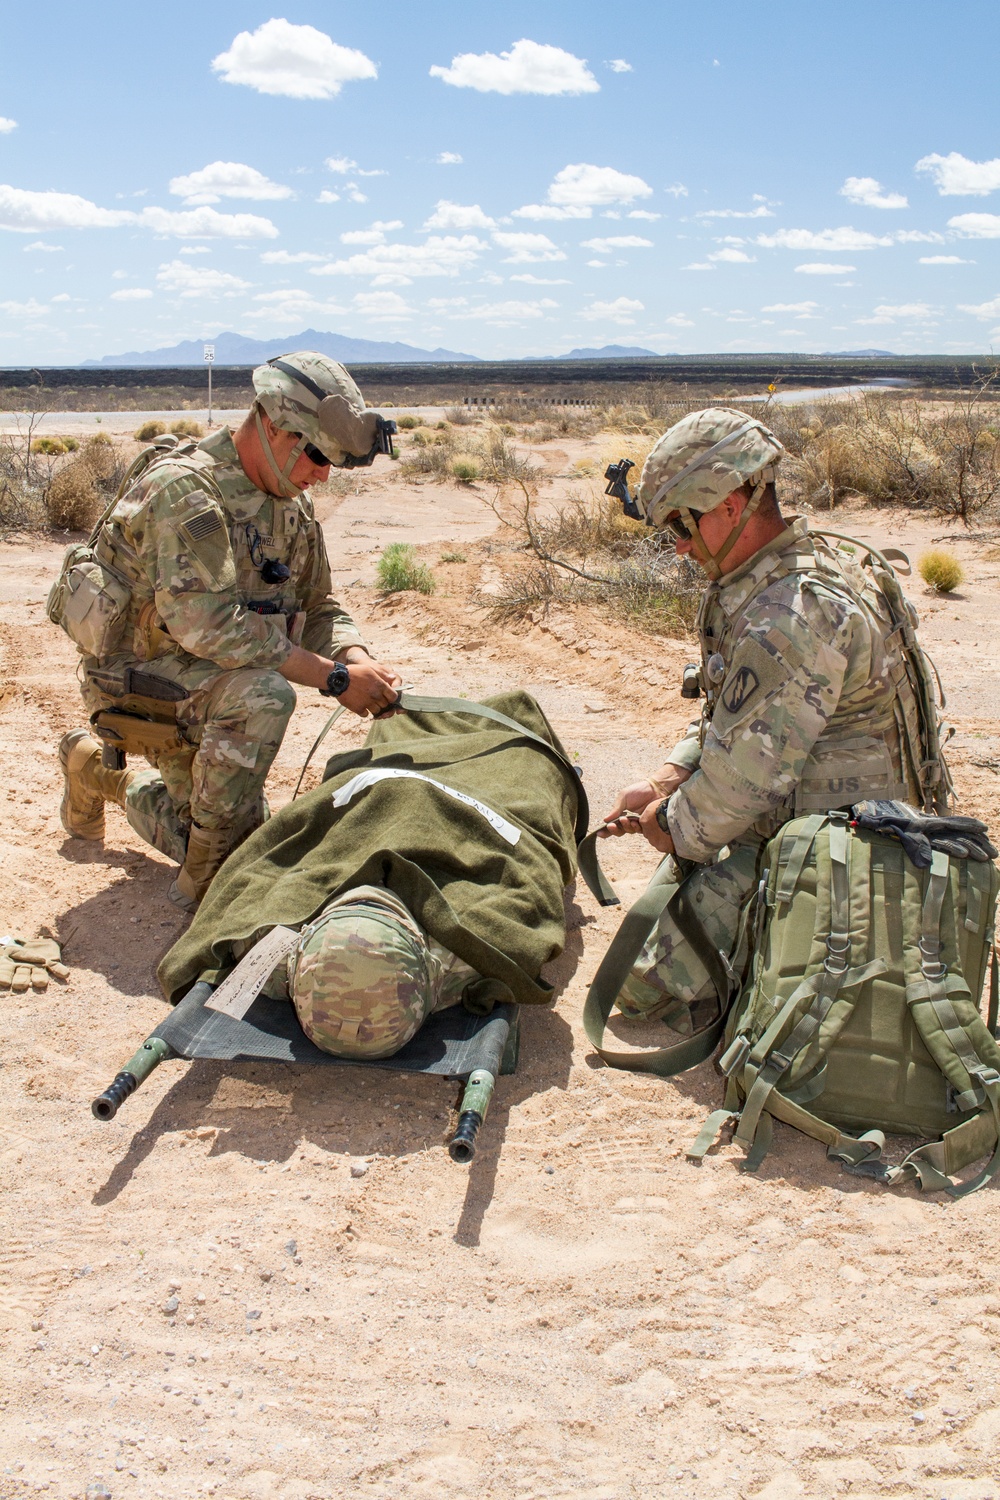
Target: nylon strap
614,969
597,882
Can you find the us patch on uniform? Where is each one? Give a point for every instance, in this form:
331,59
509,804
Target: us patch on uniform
204,523
744,684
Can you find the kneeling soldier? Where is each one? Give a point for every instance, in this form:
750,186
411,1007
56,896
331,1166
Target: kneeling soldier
204,594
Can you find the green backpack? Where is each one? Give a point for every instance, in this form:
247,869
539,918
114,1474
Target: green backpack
860,1014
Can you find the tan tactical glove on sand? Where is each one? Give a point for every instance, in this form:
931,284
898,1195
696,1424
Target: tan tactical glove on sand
24,964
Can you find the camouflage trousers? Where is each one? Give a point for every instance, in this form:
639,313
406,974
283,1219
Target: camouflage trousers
669,969
233,724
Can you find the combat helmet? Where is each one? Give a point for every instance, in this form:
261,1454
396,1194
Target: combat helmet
314,396
700,461
362,976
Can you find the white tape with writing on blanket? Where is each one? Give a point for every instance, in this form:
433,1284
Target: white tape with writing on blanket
365,779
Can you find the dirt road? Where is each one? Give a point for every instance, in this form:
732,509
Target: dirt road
272,1282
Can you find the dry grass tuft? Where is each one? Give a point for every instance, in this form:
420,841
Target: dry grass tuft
149,431
400,571
941,570
186,428
82,488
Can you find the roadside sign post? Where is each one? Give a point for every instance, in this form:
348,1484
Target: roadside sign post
209,360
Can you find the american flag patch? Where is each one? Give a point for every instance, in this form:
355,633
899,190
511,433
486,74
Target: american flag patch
205,524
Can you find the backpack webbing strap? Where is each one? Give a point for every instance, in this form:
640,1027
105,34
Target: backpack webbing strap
586,844
616,965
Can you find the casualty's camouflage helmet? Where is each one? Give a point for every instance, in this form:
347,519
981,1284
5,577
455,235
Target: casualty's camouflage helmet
312,395
361,976
699,461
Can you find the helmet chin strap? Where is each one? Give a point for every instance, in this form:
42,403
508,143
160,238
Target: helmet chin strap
286,488
711,562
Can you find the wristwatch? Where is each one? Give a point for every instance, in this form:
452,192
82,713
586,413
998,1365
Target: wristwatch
337,683
661,815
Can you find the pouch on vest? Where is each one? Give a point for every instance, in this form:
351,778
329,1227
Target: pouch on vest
862,1012
90,598
137,736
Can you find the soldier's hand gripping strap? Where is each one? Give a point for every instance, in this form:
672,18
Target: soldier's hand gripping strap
616,965
596,881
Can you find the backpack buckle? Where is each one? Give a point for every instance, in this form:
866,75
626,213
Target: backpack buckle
735,1055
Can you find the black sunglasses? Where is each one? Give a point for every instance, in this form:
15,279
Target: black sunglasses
679,529
315,456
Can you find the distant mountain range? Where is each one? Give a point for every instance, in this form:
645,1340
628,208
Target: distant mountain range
234,349
859,354
610,351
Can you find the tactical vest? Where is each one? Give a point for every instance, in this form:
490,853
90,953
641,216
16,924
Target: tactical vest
103,598
883,740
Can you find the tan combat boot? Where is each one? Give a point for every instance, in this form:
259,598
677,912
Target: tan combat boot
207,848
87,785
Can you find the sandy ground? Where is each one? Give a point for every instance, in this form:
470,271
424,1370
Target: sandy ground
582,1312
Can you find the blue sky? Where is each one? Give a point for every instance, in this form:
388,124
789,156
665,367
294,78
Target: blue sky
502,180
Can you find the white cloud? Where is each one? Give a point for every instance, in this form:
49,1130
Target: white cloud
290,306
678,321
356,196
131,294
823,268
528,68
190,250
504,313
584,185
887,312
580,188
699,265
448,215
23,212
29,309
621,310
226,179
843,239
760,212
944,260
643,213
983,310
918,237
6,126
327,196
871,194
396,265
732,257
207,224
975,226
198,281
297,61
550,211
677,190
796,307
378,305
287,258
342,165
619,65
528,247
532,280
121,275
597,263
955,174
62,297
41,245
618,242
363,237
448,159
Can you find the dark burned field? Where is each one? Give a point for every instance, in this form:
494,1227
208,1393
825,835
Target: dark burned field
692,377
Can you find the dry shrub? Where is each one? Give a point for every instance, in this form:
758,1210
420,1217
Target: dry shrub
82,488
407,421
941,570
148,431
186,428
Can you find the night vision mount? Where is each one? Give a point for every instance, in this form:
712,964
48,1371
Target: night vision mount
617,486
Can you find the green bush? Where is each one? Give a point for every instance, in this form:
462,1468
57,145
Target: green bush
148,431
941,570
400,571
453,557
465,470
51,446
407,422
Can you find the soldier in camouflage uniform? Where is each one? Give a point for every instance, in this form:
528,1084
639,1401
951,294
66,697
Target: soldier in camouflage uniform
808,702
228,603
365,975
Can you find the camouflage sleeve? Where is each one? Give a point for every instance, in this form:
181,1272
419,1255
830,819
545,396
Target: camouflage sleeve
784,681
189,562
329,628
687,752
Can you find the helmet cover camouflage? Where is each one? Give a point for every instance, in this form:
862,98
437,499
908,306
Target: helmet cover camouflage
702,459
312,395
362,977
